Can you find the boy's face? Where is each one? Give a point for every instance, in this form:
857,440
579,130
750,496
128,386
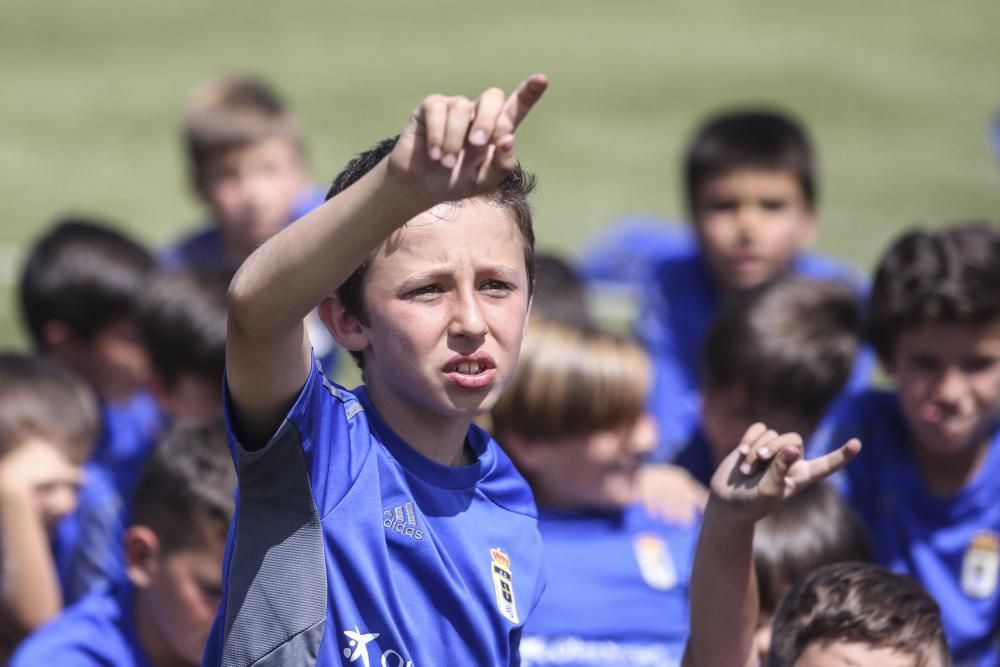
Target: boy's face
189,397
948,379
596,471
854,654
252,190
41,469
751,223
114,360
446,299
726,415
178,597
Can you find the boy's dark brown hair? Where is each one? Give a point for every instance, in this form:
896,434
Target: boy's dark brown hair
749,139
790,345
512,194
942,276
40,398
815,528
182,322
559,294
185,494
858,603
85,274
233,111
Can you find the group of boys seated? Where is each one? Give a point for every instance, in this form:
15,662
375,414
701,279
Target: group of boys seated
182,482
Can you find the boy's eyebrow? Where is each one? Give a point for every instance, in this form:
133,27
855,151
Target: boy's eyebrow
436,274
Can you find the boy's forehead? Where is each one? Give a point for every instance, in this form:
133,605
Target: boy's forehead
470,227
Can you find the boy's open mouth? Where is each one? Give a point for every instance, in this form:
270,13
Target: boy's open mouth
471,371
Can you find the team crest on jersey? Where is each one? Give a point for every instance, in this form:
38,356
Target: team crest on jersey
655,564
503,585
981,565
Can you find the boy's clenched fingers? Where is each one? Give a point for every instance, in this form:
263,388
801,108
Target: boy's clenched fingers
433,112
519,104
487,110
760,448
456,129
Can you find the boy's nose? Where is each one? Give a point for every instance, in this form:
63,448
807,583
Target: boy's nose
951,386
467,317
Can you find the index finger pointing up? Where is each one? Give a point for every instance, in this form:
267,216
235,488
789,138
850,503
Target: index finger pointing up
519,104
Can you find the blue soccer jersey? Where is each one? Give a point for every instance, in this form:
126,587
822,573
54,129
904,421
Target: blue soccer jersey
350,547
679,307
951,545
98,631
617,593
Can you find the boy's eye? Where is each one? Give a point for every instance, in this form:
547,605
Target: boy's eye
722,205
978,364
773,204
922,362
496,286
425,291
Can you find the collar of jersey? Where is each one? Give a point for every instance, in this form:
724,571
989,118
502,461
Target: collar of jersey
432,472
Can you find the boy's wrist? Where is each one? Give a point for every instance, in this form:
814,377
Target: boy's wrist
722,511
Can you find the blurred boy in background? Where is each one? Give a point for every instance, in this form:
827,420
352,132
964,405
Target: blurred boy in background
80,292
48,426
752,192
781,356
161,615
182,322
811,530
849,614
574,422
247,165
928,484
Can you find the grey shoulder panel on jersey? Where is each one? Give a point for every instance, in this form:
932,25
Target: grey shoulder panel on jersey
277,592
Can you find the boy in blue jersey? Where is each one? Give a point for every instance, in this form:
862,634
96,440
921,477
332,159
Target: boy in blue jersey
927,485
379,526
751,193
161,615
48,424
850,614
781,356
617,579
80,292
247,165
182,323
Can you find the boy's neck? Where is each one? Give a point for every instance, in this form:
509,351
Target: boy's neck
441,439
946,474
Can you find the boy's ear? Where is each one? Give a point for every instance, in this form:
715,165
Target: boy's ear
345,328
142,552
56,335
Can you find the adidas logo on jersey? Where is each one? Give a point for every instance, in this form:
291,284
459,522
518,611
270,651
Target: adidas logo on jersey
403,520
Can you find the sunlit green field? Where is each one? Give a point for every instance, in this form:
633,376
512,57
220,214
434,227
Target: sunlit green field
897,94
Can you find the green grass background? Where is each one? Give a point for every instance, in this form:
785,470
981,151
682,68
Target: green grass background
898,95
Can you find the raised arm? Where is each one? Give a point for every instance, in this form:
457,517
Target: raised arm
751,482
451,148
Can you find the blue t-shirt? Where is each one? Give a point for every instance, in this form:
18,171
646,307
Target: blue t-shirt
951,545
130,433
696,458
677,311
98,631
349,546
617,591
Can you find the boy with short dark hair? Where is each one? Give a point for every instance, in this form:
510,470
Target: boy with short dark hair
811,530
162,614
182,322
48,426
380,525
752,192
927,485
80,292
782,356
247,164
858,614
